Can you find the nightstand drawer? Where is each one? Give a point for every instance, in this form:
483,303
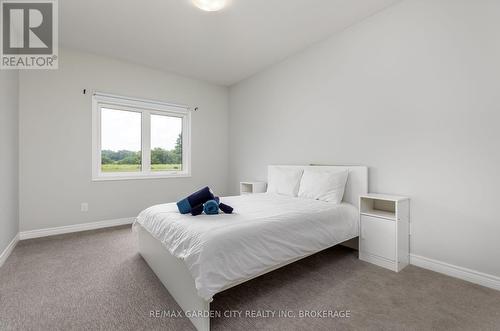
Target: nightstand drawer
378,237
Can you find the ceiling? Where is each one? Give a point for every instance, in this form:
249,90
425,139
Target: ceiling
220,47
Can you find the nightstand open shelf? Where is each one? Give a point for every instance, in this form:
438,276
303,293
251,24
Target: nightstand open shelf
252,187
376,207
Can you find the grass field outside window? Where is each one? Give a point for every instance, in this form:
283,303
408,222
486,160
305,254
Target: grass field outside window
137,167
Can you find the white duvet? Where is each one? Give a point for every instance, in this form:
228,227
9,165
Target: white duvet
265,231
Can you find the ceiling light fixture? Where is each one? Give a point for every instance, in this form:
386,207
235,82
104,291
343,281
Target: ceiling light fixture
210,5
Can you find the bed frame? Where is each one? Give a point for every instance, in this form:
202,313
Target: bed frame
175,276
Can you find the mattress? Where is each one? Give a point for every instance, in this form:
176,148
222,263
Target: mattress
265,231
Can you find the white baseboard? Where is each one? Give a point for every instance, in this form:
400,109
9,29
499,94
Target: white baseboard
469,275
8,250
74,228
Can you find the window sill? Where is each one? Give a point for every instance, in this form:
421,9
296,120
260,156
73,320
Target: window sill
104,178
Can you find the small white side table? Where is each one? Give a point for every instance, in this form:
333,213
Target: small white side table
252,187
385,230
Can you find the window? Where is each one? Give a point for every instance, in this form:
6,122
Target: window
134,139
121,149
166,143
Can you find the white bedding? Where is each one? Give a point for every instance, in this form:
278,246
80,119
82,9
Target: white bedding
266,230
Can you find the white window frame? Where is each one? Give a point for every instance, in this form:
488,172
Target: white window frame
146,108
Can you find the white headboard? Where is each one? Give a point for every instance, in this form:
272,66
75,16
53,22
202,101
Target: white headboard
357,182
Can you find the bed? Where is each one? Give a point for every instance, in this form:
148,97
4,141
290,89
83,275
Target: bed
198,257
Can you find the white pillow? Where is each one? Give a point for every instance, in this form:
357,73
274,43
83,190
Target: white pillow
285,181
323,184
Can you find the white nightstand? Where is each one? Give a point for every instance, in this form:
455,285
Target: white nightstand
384,230
252,187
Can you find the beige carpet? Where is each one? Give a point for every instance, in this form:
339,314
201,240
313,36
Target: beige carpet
97,281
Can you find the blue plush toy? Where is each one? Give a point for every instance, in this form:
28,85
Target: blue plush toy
203,201
195,200
225,208
211,207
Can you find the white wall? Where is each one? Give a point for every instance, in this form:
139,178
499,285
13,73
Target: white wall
55,140
412,92
9,148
